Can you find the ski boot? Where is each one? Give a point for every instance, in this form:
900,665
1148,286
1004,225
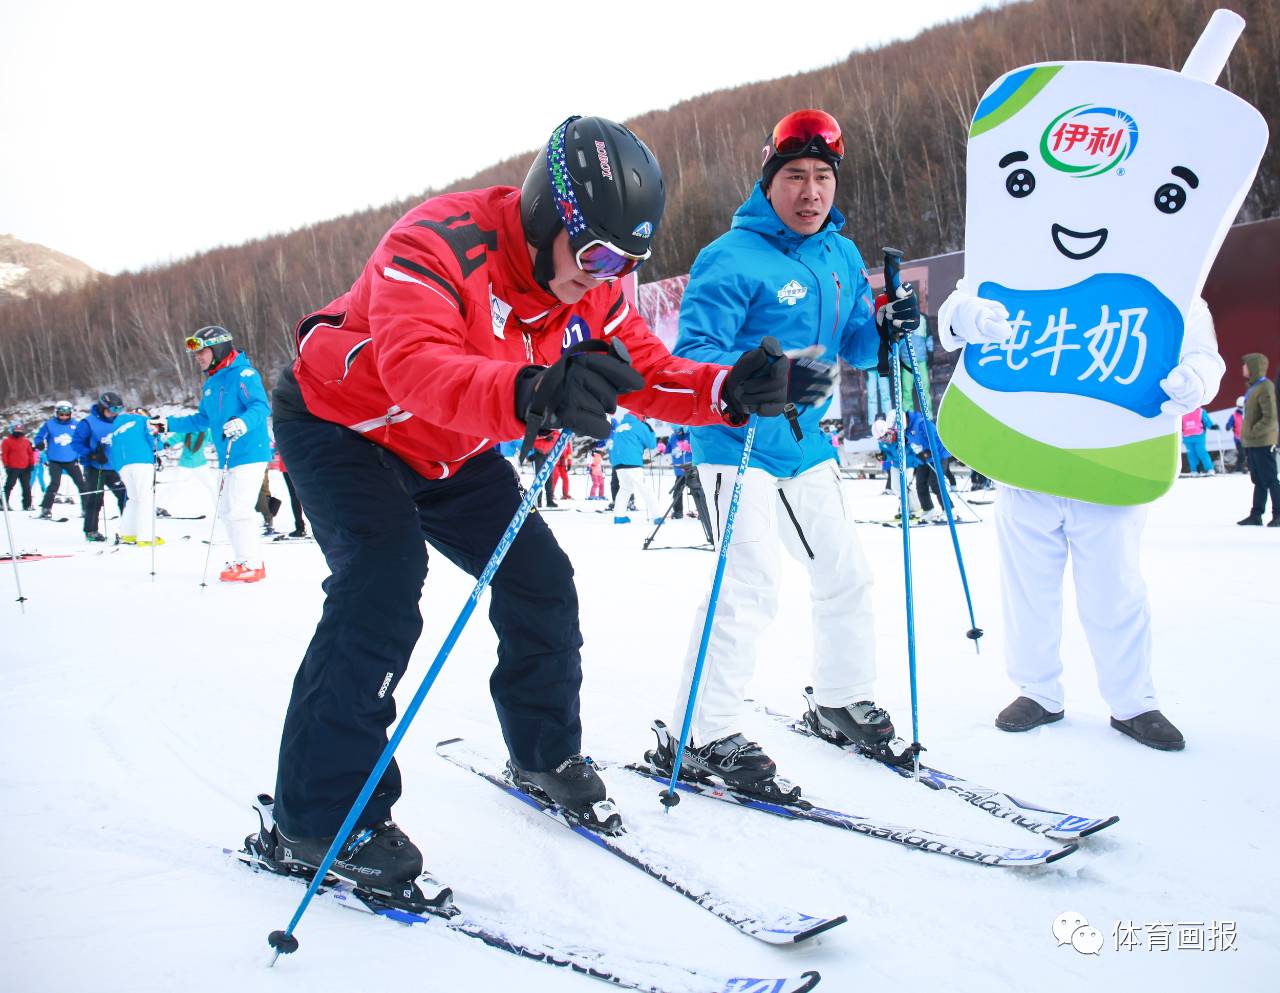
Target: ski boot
575,788
741,766
379,863
94,536
863,725
46,514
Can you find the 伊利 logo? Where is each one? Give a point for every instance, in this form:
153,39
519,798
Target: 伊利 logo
1088,140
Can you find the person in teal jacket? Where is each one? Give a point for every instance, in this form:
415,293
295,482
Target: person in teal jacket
785,269
1194,426
133,456
627,444
234,408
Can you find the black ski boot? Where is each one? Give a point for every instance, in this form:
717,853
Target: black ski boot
576,788
862,725
741,765
94,536
379,861
46,514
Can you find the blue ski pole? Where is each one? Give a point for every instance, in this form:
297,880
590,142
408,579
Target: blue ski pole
283,941
669,796
892,282
900,422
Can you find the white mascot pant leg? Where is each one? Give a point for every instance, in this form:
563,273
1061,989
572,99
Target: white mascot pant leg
631,481
237,514
843,618
1036,534
138,512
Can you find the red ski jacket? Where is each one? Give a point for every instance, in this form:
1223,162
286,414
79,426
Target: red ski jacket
422,353
17,453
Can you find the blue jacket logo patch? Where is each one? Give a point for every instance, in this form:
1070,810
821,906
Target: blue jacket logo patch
792,292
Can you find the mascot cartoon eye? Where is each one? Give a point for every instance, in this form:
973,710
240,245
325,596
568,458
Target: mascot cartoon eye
1172,197
1021,181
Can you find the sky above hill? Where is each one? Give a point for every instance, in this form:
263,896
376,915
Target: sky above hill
137,133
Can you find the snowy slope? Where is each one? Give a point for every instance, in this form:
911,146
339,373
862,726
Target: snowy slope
139,717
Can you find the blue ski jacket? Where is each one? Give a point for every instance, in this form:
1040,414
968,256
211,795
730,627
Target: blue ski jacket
131,442
90,433
57,436
918,436
235,390
761,278
630,438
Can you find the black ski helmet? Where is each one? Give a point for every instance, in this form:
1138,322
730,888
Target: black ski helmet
600,182
215,338
110,399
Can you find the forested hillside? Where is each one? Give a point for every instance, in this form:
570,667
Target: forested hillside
905,109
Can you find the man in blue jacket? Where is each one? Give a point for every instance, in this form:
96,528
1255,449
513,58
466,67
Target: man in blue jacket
91,445
54,439
784,269
235,409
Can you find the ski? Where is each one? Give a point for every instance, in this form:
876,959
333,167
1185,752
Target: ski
921,840
1044,821
916,522
51,520
293,537
774,927
650,977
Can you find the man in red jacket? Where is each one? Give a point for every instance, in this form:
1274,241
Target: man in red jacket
19,458
477,312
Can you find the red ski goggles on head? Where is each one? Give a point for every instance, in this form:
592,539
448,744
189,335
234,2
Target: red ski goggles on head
195,343
797,130
601,260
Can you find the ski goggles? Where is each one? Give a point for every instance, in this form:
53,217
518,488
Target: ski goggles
217,336
798,130
601,260
116,408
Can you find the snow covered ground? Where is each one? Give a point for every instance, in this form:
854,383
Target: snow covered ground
139,717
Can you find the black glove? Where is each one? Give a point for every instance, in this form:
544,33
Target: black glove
899,317
39,446
757,383
99,455
925,455
810,379
577,393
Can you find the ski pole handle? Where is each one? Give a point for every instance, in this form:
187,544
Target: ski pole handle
892,272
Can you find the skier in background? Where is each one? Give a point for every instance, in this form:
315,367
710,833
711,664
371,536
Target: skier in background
1194,425
54,439
234,408
90,444
1259,436
1234,424
133,456
19,457
630,439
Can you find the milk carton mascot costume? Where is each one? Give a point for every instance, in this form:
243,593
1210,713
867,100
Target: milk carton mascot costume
1099,195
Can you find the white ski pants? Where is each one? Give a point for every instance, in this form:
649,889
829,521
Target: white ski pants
807,515
632,481
1036,533
139,512
236,511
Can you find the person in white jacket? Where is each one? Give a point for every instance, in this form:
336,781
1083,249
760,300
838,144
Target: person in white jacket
1037,532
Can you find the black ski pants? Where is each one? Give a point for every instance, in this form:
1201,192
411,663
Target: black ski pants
97,482
1262,470
370,513
926,480
56,469
14,477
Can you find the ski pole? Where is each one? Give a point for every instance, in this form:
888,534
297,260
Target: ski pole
13,553
154,469
892,282
217,508
900,422
283,941
669,797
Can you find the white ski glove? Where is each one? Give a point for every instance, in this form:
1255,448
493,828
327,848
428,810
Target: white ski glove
158,425
1194,381
971,320
234,428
